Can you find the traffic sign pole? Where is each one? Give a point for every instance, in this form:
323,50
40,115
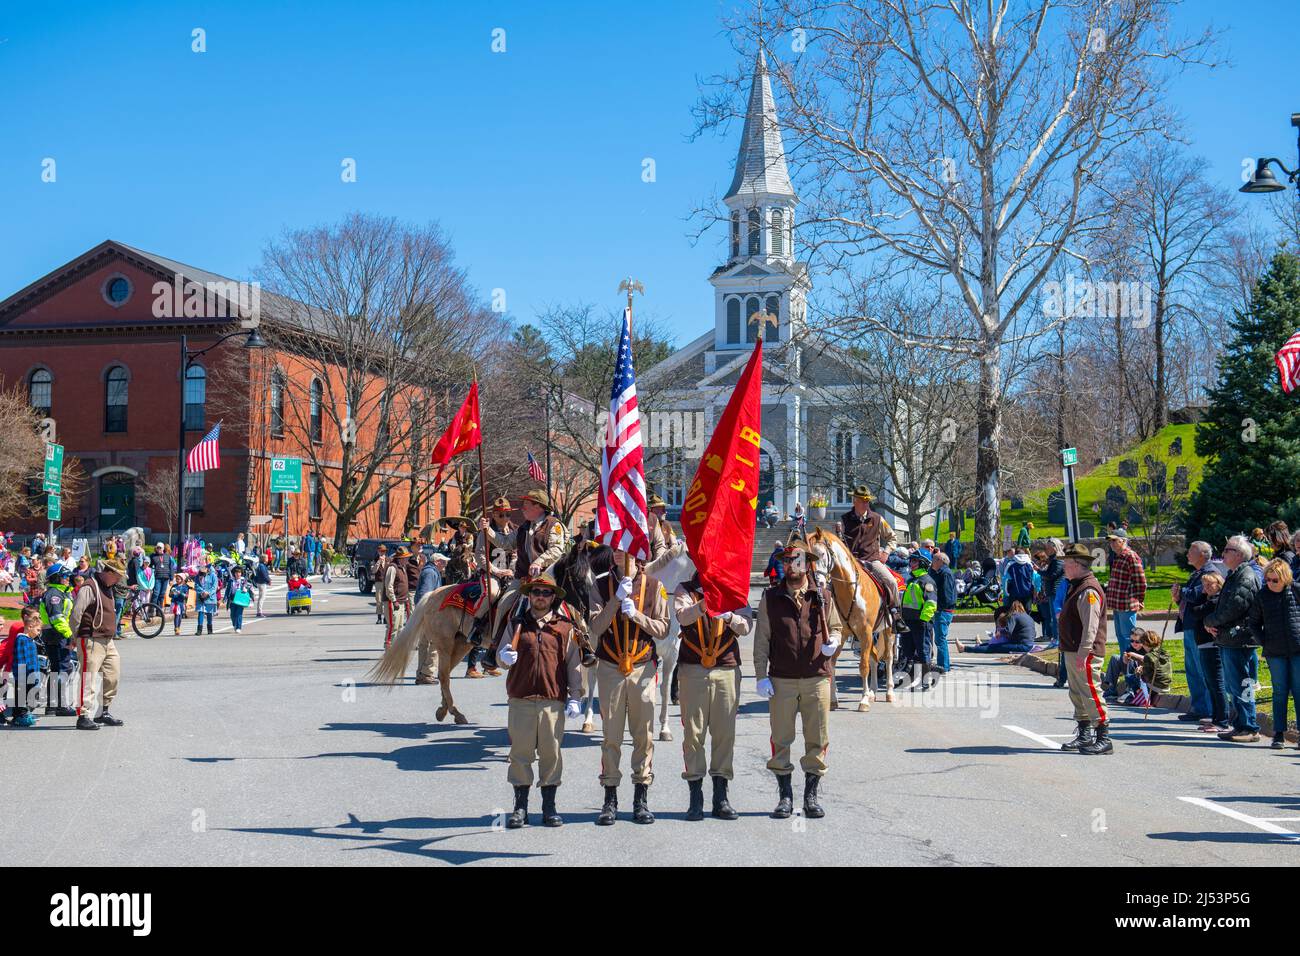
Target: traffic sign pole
1070,458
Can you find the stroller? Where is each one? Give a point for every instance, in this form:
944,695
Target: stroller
299,596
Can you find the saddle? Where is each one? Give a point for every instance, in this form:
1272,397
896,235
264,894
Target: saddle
466,596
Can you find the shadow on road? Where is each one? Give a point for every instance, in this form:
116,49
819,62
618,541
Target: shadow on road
1275,839
988,751
371,838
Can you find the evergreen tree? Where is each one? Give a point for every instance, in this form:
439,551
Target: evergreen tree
1251,432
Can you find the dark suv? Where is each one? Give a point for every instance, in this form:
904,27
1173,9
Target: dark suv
367,550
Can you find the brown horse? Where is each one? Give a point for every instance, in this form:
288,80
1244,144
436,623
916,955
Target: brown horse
447,631
861,610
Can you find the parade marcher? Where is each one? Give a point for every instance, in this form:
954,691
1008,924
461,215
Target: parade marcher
544,663
634,615
396,590
795,638
93,622
660,531
56,638
378,569
1082,629
867,534
709,663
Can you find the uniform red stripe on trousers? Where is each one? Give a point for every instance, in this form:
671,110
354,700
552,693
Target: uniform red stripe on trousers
1101,713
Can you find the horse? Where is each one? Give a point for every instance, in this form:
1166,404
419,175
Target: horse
447,630
862,611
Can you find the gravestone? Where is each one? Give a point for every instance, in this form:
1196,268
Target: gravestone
1143,489
1056,507
1134,517
1116,496
1181,481
1085,529
1157,471
1128,468
1017,504
1176,446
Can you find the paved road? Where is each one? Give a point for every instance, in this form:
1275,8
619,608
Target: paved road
258,749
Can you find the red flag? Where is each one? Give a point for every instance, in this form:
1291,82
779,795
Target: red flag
720,512
1288,362
463,434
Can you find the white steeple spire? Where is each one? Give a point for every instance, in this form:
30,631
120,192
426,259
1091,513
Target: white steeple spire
760,163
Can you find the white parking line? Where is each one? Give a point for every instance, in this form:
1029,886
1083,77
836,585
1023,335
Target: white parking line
1036,738
1260,823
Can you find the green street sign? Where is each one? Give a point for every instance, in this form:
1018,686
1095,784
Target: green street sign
53,508
53,468
286,475
1069,456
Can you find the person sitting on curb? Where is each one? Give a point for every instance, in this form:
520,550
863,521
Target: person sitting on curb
1013,634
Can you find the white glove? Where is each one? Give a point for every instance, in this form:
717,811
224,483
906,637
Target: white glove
507,655
725,617
765,688
572,708
628,606
831,646
624,588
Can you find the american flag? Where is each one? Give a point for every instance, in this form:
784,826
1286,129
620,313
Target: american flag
205,455
535,470
620,509
1288,362
1140,696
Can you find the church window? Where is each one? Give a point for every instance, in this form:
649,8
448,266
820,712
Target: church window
733,321
751,329
843,449
772,331
753,232
778,233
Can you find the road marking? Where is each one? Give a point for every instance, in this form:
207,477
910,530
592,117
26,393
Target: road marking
1037,738
1258,822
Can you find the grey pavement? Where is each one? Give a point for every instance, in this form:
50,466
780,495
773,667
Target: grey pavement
268,748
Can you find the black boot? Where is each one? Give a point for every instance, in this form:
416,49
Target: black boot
721,806
896,619
519,818
108,720
550,818
609,812
696,810
1082,736
640,812
85,723
1101,741
811,808
785,805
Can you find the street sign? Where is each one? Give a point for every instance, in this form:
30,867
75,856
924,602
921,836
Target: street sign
1069,456
286,475
53,468
53,508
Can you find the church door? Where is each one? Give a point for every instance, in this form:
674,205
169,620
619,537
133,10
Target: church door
767,482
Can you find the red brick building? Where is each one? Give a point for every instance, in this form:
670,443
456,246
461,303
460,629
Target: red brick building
96,344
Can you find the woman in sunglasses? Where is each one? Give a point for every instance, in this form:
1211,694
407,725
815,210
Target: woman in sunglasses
1275,619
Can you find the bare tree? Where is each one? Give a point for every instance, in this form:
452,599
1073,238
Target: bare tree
22,461
159,490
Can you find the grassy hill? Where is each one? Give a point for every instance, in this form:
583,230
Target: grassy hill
1091,488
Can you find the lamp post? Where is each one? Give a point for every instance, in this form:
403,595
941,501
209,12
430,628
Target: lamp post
1263,180
252,341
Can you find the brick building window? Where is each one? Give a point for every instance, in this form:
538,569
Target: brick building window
40,390
194,490
277,503
277,403
316,396
313,494
383,508
115,395
196,397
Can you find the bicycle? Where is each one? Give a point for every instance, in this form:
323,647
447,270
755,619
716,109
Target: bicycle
147,618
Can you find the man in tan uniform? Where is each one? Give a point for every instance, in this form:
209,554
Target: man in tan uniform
396,590
709,664
797,633
634,615
1082,630
661,532
544,673
94,622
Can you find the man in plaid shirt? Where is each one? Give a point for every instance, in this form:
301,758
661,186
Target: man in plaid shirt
1126,588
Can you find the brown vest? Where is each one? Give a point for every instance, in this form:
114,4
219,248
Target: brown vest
797,633
531,540
862,535
624,644
105,610
401,588
412,574
709,642
1071,623
540,670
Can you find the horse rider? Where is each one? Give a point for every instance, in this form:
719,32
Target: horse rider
795,638
634,615
1082,633
709,664
539,543
396,590
868,534
499,540
377,569
56,638
544,663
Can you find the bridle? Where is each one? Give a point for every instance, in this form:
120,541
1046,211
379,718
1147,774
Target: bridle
831,559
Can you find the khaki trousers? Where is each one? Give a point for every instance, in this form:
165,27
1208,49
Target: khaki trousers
710,701
809,698
536,730
1083,671
626,701
100,667
396,621
427,667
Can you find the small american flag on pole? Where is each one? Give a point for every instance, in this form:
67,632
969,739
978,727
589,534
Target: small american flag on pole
620,509
1288,362
535,470
205,456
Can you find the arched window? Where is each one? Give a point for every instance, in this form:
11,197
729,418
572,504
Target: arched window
778,232
115,393
40,390
196,397
735,234
751,329
772,331
316,396
733,321
753,232
843,453
277,404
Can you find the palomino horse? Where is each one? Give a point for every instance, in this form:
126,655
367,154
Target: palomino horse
583,573
447,631
861,610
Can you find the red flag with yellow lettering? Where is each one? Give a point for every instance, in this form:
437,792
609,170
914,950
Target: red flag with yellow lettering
720,512
463,434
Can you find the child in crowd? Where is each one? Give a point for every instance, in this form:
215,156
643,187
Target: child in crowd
1145,669
20,658
179,596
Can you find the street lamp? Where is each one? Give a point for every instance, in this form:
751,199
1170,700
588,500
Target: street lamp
1263,180
252,340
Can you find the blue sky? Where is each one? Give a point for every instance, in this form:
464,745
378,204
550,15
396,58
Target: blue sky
531,159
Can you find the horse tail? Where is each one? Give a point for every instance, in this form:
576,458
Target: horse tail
391,668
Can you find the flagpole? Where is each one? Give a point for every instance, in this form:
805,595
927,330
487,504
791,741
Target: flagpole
487,553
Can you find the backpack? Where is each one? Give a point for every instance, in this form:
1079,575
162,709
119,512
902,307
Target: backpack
1020,581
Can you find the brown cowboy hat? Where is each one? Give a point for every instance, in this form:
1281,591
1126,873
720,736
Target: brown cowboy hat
501,504
656,502
402,551
862,491
538,497
453,521
1079,552
542,581
113,564
794,546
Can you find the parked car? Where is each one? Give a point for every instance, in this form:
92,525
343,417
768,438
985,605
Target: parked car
367,549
